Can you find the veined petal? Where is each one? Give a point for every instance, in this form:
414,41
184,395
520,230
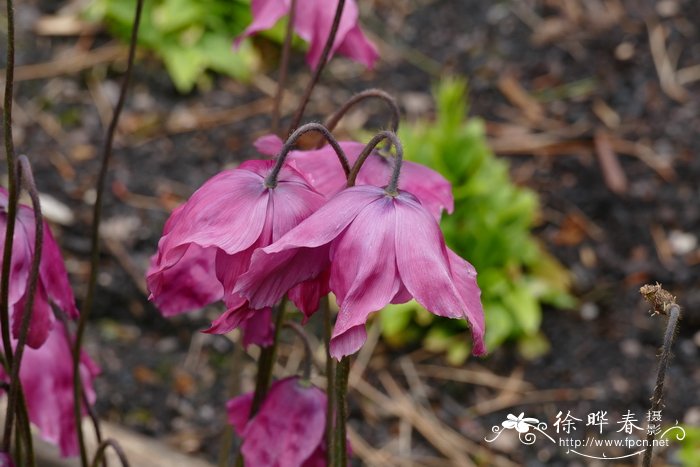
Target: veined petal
464,276
302,253
363,266
41,322
289,426
313,23
421,258
322,167
258,329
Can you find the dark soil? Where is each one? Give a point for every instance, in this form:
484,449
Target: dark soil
164,378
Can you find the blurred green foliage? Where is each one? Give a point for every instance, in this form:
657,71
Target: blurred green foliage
491,228
190,36
689,453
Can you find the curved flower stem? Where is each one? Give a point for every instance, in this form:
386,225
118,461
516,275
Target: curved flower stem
284,66
95,234
27,179
308,354
333,120
319,68
13,194
102,450
341,391
271,180
664,303
330,378
398,160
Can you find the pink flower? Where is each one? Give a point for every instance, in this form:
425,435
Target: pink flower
53,285
47,379
287,431
207,243
321,168
380,249
312,22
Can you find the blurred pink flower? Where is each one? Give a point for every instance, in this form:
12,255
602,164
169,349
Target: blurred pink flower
312,22
47,380
207,243
6,460
287,431
321,168
53,286
381,249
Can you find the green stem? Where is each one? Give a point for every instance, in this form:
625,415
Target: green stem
95,235
341,391
330,378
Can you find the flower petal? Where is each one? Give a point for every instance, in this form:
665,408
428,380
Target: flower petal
464,276
265,14
238,410
356,46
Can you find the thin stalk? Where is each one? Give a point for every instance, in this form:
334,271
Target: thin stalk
308,354
333,120
341,391
266,364
13,399
330,378
271,180
95,234
102,450
398,160
319,68
12,189
664,303
226,444
284,66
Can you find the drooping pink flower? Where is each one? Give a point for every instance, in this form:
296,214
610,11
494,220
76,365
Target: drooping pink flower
287,431
312,22
53,285
47,380
207,243
321,168
381,249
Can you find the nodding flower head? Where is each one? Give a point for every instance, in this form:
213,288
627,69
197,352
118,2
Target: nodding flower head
378,248
207,243
53,285
312,22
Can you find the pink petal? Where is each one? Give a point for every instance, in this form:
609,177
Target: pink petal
302,253
238,410
307,295
269,145
421,258
289,426
464,276
357,47
313,23
54,276
265,14
258,329
41,321
322,167
363,267
188,285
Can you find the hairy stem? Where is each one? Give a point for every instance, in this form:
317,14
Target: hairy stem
341,392
102,450
12,190
271,180
284,66
27,178
398,160
95,233
319,68
673,311
330,378
333,120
